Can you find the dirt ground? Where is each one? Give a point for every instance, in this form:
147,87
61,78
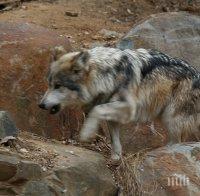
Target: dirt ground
91,16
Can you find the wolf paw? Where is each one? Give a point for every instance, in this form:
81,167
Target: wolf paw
84,137
115,159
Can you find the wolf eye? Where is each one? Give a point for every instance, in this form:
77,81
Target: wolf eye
76,71
57,86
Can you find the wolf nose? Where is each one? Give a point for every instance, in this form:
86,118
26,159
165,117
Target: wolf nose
42,106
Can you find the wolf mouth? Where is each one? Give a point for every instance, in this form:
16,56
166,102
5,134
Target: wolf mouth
55,109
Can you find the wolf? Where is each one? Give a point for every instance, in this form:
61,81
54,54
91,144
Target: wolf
122,86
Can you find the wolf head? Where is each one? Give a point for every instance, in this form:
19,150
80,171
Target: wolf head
78,78
66,78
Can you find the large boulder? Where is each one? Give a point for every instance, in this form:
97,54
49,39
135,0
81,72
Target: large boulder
25,51
47,168
7,126
171,170
176,33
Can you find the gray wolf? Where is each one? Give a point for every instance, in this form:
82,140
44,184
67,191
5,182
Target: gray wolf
125,86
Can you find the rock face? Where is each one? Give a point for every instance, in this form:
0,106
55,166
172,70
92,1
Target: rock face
24,60
176,33
172,170
7,126
75,171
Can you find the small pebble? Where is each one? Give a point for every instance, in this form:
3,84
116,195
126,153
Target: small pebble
86,33
23,150
71,152
64,191
24,7
44,169
72,14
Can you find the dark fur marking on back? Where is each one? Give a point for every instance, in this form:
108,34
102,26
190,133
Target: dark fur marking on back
196,83
174,67
84,56
108,70
125,67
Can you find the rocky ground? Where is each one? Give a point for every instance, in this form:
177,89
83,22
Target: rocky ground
28,32
92,16
31,165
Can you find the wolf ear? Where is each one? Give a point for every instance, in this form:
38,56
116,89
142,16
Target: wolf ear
57,52
81,59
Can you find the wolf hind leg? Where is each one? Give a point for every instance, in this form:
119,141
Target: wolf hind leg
182,127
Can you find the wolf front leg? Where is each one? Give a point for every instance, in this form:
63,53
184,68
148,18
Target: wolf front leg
114,111
115,140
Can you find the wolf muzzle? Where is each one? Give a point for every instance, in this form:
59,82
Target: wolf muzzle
53,110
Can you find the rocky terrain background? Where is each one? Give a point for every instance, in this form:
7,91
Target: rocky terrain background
53,162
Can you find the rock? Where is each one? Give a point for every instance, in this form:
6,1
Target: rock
175,33
74,171
171,170
72,14
4,190
82,172
8,167
7,139
97,44
126,43
115,20
25,57
14,169
7,126
107,34
6,5
86,32
7,8
27,170
23,150
24,7
36,188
